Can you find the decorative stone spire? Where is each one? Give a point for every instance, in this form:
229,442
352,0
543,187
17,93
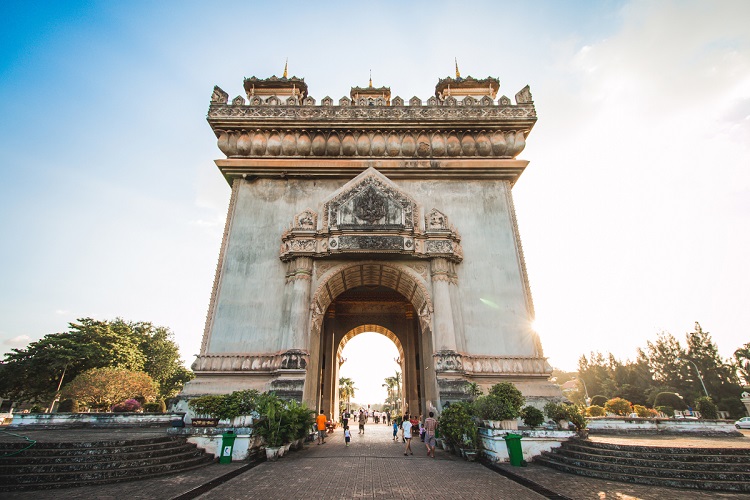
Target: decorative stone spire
370,96
458,73
260,91
286,66
459,88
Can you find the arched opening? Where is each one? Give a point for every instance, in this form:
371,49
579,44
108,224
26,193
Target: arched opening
380,297
370,360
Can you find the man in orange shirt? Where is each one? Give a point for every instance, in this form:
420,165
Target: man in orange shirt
321,421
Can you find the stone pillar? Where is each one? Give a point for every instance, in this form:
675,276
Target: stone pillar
444,336
410,376
298,278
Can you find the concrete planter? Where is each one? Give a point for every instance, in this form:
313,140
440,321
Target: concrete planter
533,442
628,425
209,438
92,420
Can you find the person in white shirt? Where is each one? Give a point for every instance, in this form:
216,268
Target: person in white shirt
406,427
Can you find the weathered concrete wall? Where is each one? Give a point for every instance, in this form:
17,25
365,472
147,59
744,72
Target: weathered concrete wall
493,306
491,303
249,310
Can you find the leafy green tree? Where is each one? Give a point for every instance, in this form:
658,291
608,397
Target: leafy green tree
101,388
742,363
34,373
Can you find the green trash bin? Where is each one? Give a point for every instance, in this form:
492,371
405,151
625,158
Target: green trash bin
513,442
227,445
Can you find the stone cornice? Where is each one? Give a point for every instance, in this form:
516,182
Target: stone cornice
501,116
470,168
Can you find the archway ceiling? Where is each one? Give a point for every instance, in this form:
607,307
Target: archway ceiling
376,274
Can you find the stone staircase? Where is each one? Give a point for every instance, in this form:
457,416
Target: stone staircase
719,469
60,464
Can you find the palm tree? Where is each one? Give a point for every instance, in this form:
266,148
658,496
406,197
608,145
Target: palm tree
346,390
394,389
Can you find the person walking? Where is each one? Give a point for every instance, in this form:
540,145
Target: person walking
406,427
345,419
430,426
321,422
347,435
361,422
395,430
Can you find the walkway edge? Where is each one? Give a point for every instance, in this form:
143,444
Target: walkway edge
527,483
217,481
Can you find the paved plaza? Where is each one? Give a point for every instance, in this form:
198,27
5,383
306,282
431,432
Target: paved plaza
375,467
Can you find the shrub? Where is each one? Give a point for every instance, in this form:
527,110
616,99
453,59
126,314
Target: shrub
129,405
68,406
598,400
533,417
493,408
239,403
667,410
642,411
567,413
706,407
510,394
457,426
155,407
669,399
618,406
596,411
208,406
36,409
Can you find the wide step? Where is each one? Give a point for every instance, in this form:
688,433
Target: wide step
60,465
709,469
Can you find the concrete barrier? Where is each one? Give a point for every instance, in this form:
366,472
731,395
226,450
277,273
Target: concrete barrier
629,425
93,420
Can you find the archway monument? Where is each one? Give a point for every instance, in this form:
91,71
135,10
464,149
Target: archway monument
371,214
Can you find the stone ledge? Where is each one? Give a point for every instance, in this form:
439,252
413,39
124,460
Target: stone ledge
650,426
92,420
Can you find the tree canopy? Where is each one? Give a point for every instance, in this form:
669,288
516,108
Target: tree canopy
668,366
33,373
100,388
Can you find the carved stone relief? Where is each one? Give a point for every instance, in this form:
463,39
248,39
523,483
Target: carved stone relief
447,361
370,213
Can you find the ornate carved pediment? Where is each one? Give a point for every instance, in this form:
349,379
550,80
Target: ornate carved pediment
370,214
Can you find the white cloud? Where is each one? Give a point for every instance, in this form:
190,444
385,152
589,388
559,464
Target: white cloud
17,342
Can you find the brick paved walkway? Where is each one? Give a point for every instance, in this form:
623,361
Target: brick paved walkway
375,467
372,467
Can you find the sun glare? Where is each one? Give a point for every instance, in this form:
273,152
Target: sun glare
370,358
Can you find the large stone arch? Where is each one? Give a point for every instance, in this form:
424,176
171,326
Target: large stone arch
395,276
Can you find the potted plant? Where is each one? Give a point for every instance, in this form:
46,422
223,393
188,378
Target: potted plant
532,417
501,408
238,407
269,424
207,410
457,427
563,414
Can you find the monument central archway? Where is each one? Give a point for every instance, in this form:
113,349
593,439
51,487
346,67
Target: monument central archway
386,298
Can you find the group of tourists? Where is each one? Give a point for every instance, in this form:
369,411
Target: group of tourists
406,425
424,429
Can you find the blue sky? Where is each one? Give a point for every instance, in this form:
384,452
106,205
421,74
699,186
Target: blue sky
633,212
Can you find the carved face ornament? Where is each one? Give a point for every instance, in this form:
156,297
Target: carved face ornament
370,206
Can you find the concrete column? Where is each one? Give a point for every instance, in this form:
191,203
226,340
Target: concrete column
326,341
410,376
444,336
297,305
